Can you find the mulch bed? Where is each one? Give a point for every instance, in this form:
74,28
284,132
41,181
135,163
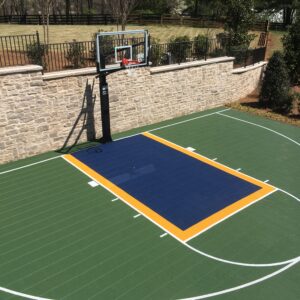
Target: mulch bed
251,105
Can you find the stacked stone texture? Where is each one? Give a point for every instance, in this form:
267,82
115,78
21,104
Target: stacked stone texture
39,114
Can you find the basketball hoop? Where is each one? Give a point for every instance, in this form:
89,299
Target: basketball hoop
130,65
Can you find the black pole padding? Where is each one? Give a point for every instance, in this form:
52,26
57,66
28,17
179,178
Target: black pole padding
105,114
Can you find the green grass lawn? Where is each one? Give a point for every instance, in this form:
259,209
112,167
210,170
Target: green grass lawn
66,33
275,42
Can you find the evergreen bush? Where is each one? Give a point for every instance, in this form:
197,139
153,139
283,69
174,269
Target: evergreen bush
156,52
291,44
275,87
201,46
179,47
75,54
36,52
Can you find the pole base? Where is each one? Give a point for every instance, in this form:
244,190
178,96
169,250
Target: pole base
105,140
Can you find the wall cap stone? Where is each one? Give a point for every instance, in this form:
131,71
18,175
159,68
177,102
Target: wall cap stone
20,69
192,64
249,68
70,73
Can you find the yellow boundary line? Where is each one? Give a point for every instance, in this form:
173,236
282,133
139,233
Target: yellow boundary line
183,235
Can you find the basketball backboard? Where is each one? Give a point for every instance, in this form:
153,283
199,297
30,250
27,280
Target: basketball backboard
116,50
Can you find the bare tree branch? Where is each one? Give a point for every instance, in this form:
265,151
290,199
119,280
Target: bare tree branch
2,3
120,9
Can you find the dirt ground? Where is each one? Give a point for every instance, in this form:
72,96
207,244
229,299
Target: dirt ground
251,104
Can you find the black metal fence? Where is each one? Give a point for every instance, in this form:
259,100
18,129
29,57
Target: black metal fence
27,49
63,56
14,49
204,48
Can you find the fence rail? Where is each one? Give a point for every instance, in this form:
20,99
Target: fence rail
176,53
27,49
14,49
141,19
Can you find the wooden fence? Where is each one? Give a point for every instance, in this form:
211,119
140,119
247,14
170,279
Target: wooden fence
140,19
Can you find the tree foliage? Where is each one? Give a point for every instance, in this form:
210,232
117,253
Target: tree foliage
287,6
179,48
239,18
276,85
159,6
291,44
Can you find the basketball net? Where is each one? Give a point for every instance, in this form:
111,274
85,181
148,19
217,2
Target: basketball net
130,66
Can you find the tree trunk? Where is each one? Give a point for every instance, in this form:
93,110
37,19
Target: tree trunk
123,23
90,6
67,10
81,7
48,16
287,16
196,8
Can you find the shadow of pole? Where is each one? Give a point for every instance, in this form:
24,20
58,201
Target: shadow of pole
88,122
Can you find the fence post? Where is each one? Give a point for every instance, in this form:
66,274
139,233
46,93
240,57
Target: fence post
161,19
149,47
40,50
246,58
206,48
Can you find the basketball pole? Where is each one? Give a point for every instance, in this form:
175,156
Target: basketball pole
104,103
103,72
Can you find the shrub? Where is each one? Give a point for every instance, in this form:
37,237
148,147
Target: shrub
239,52
276,85
179,47
107,46
201,46
75,54
36,52
218,52
291,44
156,52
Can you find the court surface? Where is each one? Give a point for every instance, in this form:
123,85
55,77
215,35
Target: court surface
203,206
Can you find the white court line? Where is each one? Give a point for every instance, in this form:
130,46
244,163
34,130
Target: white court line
211,160
30,165
163,235
173,124
190,149
239,169
129,136
188,120
228,216
136,216
289,194
93,184
215,159
254,124
266,181
183,243
202,253
246,284
113,200
22,295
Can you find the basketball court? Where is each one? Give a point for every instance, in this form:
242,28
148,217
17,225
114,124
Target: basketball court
202,206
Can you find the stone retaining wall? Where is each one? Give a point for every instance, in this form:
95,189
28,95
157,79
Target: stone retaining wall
39,113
